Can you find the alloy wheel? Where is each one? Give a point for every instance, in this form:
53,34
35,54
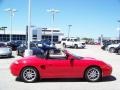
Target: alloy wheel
93,74
29,74
112,50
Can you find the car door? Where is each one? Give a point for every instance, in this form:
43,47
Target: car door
58,68
69,42
77,67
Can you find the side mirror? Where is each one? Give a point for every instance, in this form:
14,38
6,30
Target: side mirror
71,61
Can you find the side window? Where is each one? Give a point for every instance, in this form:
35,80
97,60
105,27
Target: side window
72,40
57,56
75,40
32,45
63,39
68,40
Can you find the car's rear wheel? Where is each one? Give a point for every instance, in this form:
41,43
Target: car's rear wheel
112,50
29,74
119,52
93,74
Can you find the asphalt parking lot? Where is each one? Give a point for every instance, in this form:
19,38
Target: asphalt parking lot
9,82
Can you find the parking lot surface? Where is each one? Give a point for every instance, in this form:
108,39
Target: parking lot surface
9,82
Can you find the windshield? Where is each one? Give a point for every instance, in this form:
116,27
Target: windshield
2,45
74,55
76,40
78,57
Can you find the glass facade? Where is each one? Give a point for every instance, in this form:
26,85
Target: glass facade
6,37
48,37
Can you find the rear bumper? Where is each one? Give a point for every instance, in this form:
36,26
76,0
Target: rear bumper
15,69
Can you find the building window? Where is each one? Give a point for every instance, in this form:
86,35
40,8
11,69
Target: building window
6,37
55,38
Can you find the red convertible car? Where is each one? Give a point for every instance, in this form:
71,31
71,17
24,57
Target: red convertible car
67,65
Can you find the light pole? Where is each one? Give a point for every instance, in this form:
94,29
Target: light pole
101,39
28,52
69,28
53,12
119,29
44,29
3,28
11,11
29,22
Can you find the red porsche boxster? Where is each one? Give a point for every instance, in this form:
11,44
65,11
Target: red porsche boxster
67,65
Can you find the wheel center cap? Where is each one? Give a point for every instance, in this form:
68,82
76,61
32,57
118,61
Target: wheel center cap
29,74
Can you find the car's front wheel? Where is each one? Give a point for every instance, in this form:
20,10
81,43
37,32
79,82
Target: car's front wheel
112,50
29,74
64,45
93,74
75,46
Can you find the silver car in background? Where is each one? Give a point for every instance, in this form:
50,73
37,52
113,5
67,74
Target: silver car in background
5,51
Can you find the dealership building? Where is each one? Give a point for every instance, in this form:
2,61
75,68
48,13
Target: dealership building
36,34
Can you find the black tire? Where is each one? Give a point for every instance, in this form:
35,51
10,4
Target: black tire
112,50
119,52
29,75
93,74
64,45
75,46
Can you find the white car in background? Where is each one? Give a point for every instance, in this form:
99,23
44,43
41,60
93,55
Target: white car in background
111,48
72,42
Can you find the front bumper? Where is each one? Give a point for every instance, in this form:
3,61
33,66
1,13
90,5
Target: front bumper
81,46
106,71
5,54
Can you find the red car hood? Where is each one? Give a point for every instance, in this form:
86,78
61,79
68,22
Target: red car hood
93,60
